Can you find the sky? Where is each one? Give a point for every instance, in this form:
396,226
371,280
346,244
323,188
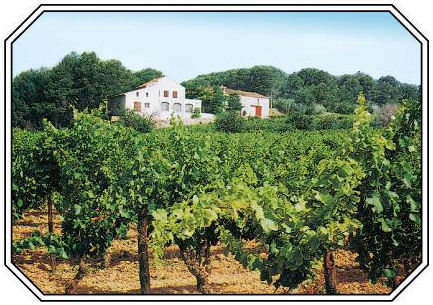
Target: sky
185,44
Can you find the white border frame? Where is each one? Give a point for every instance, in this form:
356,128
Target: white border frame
199,7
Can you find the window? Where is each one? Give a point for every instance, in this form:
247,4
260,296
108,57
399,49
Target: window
137,106
137,93
164,106
177,107
174,94
165,93
146,105
188,108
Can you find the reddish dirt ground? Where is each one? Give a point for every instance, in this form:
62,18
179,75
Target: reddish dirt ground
170,276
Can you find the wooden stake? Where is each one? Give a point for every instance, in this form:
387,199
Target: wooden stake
330,272
143,255
53,262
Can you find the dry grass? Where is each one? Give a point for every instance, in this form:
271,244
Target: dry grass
274,112
120,274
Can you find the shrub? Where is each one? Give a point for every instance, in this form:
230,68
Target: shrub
342,107
383,115
138,122
318,109
196,113
296,120
332,121
299,120
344,122
298,107
324,121
275,124
116,106
283,105
230,122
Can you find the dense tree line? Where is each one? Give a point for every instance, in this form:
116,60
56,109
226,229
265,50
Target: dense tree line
83,81
79,81
308,87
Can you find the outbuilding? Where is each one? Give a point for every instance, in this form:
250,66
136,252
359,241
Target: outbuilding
253,104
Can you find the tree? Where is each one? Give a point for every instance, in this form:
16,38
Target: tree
305,96
81,81
84,81
234,103
291,84
409,92
265,80
326,94
366,82
283,105
311,76
349,88
385,90
218,101
196,88
212,97
31,102
144,75
307,87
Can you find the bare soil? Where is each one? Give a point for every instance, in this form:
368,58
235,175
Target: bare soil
117,273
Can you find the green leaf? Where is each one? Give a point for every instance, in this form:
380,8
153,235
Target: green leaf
300,206
286,228
414,206
375,202
160,215
389,273
188,232
314,243
125,213
258,210
268,225
77,208
345,171
415,218
298,260
122,230
385,227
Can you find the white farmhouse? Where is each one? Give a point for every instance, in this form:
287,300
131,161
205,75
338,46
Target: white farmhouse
253,104
160,97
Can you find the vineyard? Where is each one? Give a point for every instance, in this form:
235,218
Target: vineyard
284,207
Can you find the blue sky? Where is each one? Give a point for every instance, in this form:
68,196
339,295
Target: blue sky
183,45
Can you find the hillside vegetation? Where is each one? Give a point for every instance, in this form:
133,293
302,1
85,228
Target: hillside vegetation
79,81
84,81
304,90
